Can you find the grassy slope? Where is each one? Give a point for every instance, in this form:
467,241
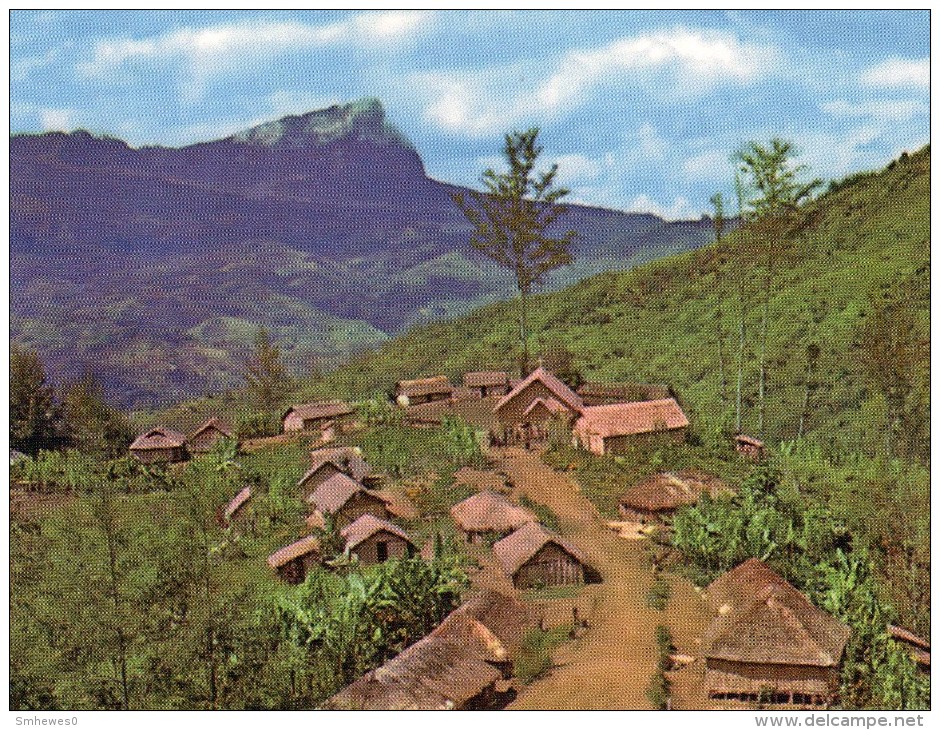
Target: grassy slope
660,322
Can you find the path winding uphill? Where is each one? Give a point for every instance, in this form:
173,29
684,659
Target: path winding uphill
611,666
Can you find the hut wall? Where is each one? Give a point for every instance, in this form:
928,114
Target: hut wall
428,397
367,550
749,681
750,451
513,412
204,441
160,456
359,505
550,566
620,444
295,571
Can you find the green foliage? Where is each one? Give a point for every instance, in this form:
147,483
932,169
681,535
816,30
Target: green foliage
256,424
33,415
352,623
535,654
268,379
92,425
718,534
514,221
658,595
379,411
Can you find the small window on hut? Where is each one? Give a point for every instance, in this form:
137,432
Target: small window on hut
381,551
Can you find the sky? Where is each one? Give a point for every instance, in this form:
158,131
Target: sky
641,110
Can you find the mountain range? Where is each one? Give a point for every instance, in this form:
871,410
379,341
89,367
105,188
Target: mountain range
154,267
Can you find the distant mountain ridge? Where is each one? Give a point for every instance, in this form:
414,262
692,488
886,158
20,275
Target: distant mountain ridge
154,266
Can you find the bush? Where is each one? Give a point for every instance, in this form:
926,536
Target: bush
658,595
535,655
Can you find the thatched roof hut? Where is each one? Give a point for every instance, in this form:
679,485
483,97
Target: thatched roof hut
374,540
539,384
612,428
313,415
768,642
346,500
659,496
294,561
159,444
208,435
462,664
424,390
487,382
489,512
233,508
535,556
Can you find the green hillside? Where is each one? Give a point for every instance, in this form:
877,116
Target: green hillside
862,246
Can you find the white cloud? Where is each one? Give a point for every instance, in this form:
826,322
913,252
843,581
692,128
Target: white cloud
899,73
207,52
57,120
679,209
707,165
675,63
895,110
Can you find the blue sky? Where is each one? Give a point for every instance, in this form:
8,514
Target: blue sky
640,109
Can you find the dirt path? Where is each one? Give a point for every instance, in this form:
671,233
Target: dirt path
611,666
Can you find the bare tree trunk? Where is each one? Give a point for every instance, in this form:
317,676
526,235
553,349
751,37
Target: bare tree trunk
116,600
524,331
762,383
740,383
722,375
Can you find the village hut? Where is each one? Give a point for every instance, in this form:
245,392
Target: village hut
160,445
345,500
656,499
614,428
423,390
204,438
600,394
543,410
463,664
489,513
314,416
325,463
293,562
768,643
750,447
539,385
534,557
373,540
918,647
235,508
484,383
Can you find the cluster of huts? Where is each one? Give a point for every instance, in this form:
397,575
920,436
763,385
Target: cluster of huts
531,555
339,488
162,445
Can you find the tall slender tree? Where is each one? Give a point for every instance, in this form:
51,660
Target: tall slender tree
718,224
514,221
33,413
267,377
773,180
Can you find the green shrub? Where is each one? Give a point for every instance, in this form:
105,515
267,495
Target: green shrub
535,654
658,595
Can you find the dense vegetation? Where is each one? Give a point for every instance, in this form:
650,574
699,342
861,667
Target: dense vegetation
129,593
